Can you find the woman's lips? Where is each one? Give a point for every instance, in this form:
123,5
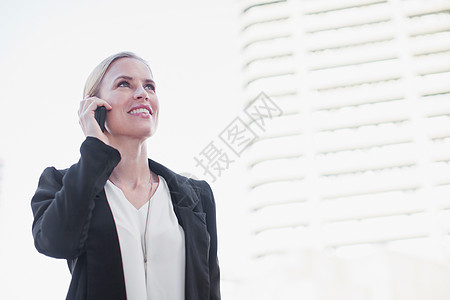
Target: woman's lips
141,112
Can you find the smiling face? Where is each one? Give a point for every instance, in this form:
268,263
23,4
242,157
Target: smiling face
129,88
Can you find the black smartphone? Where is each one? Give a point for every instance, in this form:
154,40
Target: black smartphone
100,116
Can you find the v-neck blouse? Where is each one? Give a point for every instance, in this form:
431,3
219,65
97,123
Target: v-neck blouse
165,245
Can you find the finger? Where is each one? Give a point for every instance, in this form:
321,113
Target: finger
83,104
90,104
99,102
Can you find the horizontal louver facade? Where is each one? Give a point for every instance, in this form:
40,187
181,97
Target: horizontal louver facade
361,153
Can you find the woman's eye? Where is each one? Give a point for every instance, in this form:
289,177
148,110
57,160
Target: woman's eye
123,84
150,87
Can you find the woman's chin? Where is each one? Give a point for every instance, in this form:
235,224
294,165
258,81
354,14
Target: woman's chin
136,133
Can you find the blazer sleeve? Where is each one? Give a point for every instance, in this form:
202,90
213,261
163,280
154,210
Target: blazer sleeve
209,207
64,200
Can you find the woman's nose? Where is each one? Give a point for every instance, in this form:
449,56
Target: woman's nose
141,93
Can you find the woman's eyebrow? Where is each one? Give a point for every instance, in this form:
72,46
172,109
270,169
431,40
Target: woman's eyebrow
131,78
150,81
123,77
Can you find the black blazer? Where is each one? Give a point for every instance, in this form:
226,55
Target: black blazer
72,220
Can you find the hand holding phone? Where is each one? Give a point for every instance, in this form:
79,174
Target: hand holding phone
100,116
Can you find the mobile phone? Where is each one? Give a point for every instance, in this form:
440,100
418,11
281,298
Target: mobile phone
100,116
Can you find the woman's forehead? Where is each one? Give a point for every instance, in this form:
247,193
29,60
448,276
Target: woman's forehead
130,67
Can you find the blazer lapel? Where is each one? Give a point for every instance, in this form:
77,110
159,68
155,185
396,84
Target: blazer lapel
188,209
105,273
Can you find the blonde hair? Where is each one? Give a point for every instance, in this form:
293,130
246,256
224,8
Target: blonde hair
94,80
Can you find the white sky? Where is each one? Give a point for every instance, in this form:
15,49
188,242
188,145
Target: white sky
47,49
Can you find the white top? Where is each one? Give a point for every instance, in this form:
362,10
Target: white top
165,245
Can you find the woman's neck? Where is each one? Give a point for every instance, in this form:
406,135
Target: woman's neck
132,169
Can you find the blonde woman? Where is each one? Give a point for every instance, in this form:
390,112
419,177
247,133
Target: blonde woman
129,227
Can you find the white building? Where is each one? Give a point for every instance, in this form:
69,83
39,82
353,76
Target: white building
350,187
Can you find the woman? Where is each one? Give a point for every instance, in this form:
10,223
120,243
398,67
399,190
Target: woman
129,227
